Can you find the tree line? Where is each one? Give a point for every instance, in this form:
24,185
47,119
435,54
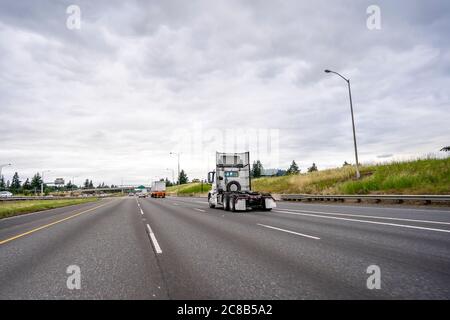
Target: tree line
17,186
258,169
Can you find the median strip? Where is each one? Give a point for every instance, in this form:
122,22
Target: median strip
49,224
289,231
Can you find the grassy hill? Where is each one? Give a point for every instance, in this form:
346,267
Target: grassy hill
189,188
422,176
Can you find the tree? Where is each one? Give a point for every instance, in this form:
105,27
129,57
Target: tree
26,185
293,169
346,164
446,149
15,183
2,183
312,168
69,185
91,185
183,178
86,184
36,181
168,183
257,169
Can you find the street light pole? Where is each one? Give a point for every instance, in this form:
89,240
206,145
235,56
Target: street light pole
358,175
2,166
178,155
42,184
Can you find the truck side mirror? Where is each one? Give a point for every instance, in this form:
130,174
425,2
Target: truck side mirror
211,177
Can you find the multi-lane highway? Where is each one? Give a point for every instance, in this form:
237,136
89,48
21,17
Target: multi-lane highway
179,248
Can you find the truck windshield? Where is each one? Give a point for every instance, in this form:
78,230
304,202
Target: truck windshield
233,174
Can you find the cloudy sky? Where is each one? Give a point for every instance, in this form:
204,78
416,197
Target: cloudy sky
139,79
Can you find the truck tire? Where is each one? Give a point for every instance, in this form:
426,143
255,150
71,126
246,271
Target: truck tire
211,205
233,205
233,183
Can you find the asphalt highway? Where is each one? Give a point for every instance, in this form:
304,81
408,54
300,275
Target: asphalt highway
179,248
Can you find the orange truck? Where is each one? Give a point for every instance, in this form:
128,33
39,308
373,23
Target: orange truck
158,189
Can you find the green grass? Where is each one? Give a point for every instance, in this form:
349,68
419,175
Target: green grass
422,176
13,208
189,188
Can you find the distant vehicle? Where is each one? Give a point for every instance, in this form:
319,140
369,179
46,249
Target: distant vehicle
131,194
5,194
231,185
142,195
158,189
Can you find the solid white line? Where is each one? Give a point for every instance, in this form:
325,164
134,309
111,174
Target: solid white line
365,221
199,210
289,231
155,242
426,211
365,216
142,212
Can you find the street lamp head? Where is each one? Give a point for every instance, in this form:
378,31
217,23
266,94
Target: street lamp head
327,71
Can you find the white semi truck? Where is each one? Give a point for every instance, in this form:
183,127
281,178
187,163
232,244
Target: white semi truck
231,185
158,189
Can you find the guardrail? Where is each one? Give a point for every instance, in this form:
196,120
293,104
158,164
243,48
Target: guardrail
427,199
39,198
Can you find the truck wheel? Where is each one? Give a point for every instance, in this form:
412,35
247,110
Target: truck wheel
211,205
233,205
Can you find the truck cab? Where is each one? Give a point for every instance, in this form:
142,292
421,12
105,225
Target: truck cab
231,185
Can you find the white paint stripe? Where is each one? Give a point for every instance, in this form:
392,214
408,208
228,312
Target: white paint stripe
142,212
155,242
365,221
366,216
425,211
199,210
289,231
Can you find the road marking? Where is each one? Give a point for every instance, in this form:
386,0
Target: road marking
365,216
142,212
175,204
155,242
50,224
365,221
289,231
201,210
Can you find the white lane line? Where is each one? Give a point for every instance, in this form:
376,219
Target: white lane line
365,221
155,242
199,210
425,211
365,216
289,231
175,204
142,212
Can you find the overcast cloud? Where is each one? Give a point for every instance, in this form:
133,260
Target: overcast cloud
143,78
